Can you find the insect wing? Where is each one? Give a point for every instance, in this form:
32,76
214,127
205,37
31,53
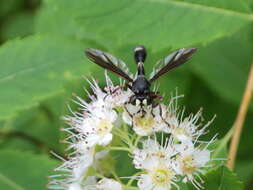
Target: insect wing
110,63
171,61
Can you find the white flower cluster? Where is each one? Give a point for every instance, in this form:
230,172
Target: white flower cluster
180,157
166,164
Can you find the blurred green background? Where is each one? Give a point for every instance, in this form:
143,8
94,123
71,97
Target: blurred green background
42,64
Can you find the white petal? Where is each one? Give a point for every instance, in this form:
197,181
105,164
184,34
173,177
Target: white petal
186,148
90,180
139,157
150,163
182,137
145,182
143,131
161,187
108,184
74,186
111,115
105,140
201,157
132,109
101,154
127,118
91,140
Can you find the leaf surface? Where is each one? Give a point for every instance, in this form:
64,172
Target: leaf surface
24,170
222,178
37,67
157,24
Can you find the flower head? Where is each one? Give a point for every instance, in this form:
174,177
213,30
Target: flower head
156,160
191,161
163,161
145,120
184,128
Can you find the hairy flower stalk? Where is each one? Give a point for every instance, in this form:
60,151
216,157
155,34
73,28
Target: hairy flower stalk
164,145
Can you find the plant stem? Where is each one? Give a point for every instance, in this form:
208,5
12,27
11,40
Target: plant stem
129,183
119,148
130,188
238,124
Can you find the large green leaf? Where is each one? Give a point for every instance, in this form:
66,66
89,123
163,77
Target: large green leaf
19,25
222,179
24,170
224,64
37,126
157,24
244,169
244,6
10,6
36,68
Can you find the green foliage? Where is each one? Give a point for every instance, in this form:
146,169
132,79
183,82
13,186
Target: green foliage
222,178
24,170
7,7
42,63
35,68
232,55
127,22
19,25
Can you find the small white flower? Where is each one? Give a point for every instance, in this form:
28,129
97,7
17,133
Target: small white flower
97,128
108,184
95,122
190,162
151,148
73,171
145,120
156,160
160,175
94,129
186,129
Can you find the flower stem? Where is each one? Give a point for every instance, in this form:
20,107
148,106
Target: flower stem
238,124
130,188
137,141
129,183
119,148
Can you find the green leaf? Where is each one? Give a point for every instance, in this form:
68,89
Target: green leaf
172,24
36,68
39,127
244,6
7,7
222,178
17,143
244,169
19,25
224,64
24,170
220,147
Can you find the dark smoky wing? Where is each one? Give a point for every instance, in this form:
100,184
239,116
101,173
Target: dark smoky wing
110,63
173,60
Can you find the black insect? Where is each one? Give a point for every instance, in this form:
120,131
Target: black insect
140,84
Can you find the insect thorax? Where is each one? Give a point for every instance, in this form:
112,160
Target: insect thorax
141,85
